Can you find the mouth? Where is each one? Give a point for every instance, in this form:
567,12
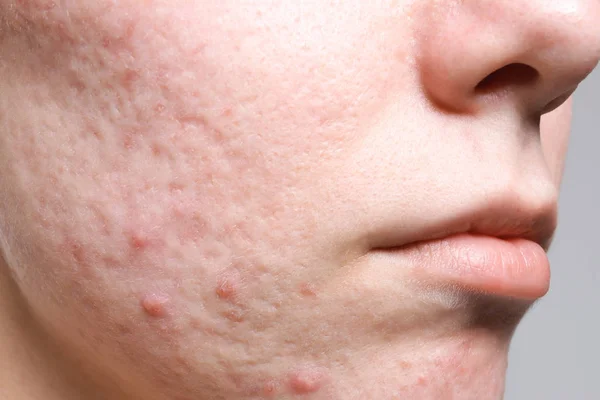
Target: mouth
510,268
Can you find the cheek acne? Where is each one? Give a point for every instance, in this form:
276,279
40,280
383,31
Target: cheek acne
228,285
306,380
154,304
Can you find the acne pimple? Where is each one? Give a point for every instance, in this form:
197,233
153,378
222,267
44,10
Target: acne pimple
154,304
138,241
269,389
228,285
308,289
78,252
156,150
306,380
129,77
234,315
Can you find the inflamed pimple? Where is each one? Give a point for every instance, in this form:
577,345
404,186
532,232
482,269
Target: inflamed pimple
307,380
138,241
228,285
308,289
154,304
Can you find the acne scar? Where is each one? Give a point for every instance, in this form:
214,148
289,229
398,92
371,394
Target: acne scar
154,304
306,380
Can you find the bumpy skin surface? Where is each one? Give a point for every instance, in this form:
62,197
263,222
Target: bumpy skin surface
190,191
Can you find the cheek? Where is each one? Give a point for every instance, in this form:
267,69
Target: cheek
555,130
163,200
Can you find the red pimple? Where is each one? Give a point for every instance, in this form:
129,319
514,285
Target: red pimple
129,77
156,149
154,304
234,315
228,285
225,289
308,289
138,242
306,380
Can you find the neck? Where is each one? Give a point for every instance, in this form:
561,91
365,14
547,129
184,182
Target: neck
33,366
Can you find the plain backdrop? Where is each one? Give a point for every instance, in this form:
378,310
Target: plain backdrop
555,354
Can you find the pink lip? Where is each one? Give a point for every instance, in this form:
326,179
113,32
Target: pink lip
517,268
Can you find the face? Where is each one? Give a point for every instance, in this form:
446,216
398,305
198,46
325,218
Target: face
245,200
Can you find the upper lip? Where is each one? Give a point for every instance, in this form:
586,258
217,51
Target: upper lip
502,219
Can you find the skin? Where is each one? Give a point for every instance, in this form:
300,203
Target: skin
192,193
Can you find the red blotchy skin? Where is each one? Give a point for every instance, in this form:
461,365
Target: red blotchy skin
194,218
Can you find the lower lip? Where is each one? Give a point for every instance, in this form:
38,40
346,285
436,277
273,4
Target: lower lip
517,268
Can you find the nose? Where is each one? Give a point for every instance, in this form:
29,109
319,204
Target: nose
531,54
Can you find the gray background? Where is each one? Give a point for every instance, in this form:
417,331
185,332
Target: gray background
555,354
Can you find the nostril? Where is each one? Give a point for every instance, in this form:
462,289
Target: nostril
515,74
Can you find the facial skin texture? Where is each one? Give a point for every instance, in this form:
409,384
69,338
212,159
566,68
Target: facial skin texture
191,193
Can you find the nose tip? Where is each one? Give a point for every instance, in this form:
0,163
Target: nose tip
477,53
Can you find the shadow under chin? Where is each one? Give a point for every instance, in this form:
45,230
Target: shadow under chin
499,314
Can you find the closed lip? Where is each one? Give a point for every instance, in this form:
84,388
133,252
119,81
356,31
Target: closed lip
499,251
511,267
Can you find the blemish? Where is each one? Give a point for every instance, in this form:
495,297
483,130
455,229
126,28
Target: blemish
308,289
129,77
110,262
176,187
234,315
306,380
123,329
138,242
269,389
154,304
156,150
262,268
228,285
77,252
128,141
96,134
